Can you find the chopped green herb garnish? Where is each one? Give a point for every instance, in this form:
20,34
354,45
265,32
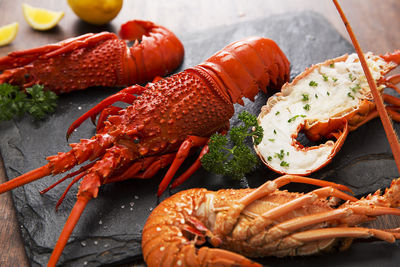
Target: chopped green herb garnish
325,77
313,83
293,118
239,159
306,97
351,77
277,113
332,65
328,93
350,95
287,153
274,131
269,158
307,107
334,79
303,116
280,155
284,164
272,140
316,96
355,88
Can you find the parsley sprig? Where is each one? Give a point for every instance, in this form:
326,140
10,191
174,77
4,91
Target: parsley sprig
14,102
239,159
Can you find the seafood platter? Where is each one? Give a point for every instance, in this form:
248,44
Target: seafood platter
135,186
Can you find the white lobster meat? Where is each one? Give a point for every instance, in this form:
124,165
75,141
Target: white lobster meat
325,101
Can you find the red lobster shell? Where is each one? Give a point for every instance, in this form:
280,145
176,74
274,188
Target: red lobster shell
163,123
261,222
97,59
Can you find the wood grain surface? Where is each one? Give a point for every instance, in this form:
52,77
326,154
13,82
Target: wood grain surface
375,22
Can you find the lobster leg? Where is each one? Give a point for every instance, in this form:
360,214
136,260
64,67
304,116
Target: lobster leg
280,230
195,166
327,233
181,155
112,110
225,227
125,95
220,257
260,222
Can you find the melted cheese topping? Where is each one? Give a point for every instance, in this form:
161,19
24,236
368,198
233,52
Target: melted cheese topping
329,90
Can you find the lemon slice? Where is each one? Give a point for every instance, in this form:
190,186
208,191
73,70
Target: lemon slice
41,19
8,33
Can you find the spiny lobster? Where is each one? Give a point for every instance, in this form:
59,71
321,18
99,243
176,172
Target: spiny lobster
100,59
163,123
261,222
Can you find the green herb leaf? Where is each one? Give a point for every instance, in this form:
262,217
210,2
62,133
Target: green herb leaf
325,77
280,155
14,102
306,97
307,107
239,159
313,83
284,164
41,102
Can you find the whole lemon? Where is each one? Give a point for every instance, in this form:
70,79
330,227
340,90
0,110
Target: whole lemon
97,12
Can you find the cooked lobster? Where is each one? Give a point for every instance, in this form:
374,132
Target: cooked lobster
100,59
162,123
261,222
326,101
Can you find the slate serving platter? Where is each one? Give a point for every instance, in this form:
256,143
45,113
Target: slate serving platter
109,232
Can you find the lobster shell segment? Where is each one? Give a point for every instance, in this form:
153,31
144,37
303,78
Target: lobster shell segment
245,67
326,101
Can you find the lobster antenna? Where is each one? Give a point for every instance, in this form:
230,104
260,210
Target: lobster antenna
387,124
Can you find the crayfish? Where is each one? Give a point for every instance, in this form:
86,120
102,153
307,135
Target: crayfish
100,59
261,222
163,122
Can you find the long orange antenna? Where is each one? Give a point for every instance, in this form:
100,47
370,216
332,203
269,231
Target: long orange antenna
387,124
68,228
25,178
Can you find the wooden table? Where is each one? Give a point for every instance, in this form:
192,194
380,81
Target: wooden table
375,22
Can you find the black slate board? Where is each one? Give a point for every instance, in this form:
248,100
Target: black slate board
109,232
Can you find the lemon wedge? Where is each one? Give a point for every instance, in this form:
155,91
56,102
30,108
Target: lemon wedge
41,19
8,33
96,12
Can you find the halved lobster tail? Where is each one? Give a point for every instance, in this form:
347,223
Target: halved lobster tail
246,66
96,59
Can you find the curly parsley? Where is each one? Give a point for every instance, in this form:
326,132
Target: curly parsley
35,101
239,159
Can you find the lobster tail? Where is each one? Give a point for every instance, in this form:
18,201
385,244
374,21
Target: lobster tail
246,66
156,51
